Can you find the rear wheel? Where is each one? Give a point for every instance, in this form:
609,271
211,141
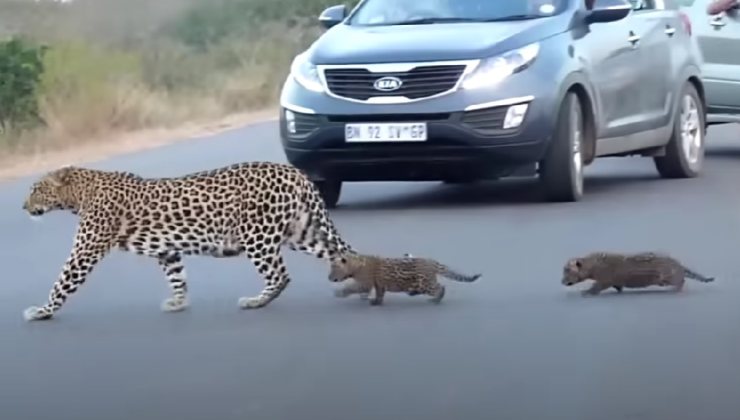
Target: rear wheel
330,191
561,171
684,154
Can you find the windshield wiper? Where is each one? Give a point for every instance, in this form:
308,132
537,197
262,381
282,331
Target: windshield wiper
432,20
512,18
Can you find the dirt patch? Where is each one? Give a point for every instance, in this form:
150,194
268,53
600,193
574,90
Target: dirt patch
14,167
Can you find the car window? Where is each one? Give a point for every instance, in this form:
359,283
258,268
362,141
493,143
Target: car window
394,12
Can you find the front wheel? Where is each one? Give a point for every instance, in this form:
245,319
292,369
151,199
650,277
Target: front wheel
684,154
561,171
330,191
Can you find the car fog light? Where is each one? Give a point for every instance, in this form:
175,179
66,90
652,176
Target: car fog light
290,121
515,116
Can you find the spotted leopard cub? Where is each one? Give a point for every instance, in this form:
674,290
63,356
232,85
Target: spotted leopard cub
411,275
619,271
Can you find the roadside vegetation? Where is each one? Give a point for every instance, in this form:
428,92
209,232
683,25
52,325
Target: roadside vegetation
79,71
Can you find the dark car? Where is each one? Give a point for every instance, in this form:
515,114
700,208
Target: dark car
464,90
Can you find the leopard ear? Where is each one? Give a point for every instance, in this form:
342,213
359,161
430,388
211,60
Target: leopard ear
61,176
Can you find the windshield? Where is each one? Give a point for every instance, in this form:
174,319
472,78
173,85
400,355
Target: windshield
407,12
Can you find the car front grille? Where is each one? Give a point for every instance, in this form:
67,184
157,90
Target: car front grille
387,118
420,82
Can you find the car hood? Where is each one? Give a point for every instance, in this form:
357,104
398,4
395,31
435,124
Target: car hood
344,44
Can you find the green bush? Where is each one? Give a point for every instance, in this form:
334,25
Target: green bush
21,69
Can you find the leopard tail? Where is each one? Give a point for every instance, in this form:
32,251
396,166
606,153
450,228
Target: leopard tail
328,232
451,274
696,276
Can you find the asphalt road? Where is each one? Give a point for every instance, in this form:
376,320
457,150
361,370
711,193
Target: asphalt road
514,345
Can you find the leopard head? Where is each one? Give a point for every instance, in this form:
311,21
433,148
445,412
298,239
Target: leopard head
574,271
344,267
53,191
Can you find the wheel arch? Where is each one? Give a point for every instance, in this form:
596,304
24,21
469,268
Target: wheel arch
575,84
691,74
699,86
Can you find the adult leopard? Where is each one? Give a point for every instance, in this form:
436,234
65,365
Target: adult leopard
250,209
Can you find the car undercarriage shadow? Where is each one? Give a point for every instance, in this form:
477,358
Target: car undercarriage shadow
518,192
723,152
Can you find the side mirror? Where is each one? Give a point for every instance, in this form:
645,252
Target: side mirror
333,15
608,11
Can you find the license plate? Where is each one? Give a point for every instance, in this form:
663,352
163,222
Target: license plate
385,132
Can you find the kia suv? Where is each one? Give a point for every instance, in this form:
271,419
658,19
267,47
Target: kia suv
466,90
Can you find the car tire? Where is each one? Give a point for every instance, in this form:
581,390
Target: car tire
330,191
561,171
684,153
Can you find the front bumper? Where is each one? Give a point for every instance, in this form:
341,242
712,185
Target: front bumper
466,137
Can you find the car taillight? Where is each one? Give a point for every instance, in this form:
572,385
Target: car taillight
686,22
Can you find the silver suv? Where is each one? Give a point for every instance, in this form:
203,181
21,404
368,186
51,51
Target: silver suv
467,90
717,41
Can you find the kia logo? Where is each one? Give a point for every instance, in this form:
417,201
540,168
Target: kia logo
387,84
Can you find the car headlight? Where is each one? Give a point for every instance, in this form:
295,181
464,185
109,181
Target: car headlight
495,69
305,73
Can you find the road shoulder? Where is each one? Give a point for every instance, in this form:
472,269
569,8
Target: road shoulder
15,167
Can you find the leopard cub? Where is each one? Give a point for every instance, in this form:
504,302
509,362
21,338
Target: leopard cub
408,274
619,271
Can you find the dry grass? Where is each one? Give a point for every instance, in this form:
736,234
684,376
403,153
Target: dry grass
113,70
73,152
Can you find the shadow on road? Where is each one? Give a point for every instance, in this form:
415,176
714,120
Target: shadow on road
503,192
723,152
666,292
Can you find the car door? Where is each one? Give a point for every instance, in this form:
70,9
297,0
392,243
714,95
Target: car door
657,30
718,43
609,53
